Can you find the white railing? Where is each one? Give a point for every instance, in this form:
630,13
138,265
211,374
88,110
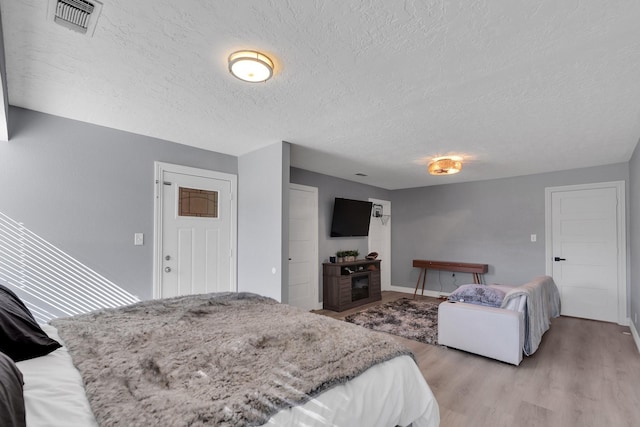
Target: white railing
50,282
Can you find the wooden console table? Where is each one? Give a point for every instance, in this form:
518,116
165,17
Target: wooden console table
463,267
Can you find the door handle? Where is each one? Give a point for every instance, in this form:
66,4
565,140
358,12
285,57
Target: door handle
167,269
559,259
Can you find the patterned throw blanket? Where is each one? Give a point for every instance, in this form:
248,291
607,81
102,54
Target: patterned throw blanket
218,359
543,303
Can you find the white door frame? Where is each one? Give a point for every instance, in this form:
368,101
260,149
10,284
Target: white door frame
160,168
314,226
385,273
623,319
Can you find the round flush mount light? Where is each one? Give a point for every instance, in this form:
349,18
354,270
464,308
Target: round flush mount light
445,165
250,66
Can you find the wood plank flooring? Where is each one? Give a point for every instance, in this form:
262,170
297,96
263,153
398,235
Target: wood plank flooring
585,373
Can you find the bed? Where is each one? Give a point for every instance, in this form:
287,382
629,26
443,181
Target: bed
315,371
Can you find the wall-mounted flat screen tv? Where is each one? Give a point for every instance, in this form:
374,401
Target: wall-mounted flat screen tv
350,218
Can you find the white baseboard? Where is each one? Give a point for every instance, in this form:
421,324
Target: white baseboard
427,292
635,335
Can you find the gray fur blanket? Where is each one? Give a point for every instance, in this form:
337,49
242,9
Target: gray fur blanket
543,303
218,359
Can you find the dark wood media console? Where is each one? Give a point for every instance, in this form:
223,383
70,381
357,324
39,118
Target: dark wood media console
350,284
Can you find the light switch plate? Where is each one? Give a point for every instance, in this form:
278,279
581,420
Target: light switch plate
534,238
138,239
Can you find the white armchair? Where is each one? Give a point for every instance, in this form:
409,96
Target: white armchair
501,333
497,333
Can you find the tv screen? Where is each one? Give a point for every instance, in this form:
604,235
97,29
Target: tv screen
350,218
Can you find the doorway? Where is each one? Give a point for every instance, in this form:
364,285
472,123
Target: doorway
195,231
303,247
586,249
379,239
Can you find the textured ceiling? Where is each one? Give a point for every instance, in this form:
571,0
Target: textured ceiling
378,87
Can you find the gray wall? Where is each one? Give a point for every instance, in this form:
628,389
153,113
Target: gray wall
87,189
634,196
4,107
263,221
487,222
328,189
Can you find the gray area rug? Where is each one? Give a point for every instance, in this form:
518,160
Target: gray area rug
412,319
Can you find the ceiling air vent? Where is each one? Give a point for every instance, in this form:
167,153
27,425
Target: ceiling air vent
77,15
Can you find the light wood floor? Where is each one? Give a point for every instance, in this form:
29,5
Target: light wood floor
585,373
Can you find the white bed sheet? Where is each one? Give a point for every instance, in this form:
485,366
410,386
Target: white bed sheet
391,393
388,394
53,390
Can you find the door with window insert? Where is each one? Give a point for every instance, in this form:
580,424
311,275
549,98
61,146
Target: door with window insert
196,237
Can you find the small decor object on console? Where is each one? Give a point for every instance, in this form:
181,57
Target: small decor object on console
347,256
372,255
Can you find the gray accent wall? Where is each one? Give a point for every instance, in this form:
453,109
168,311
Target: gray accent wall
263,221
87,189
4,107
487,222
328,189
634,202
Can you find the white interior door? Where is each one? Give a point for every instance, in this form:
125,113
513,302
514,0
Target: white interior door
195,232
586,247
303,247
380,239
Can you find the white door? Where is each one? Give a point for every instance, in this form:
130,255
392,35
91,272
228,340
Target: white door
195,233
380,239
303,247
586,246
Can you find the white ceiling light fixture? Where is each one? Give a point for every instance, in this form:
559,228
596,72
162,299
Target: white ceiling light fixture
445,165
250,66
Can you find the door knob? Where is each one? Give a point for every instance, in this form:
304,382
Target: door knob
559,259
168,257
167,269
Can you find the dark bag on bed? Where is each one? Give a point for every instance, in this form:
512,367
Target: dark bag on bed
21,337
11,397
